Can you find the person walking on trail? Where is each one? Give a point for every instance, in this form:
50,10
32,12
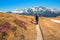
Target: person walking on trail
37,18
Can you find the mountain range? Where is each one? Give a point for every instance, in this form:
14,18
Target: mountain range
39,11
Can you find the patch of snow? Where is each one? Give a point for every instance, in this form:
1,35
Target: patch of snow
57,21
33,9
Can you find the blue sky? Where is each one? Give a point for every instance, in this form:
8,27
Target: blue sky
9,5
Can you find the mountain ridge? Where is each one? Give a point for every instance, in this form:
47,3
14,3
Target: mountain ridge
39,11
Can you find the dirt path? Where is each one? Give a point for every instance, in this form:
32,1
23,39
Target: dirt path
39,35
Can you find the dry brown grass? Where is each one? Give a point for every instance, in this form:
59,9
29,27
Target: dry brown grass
50,29
17,27
23,27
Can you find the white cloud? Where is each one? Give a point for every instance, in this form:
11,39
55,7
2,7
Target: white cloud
17,11
1,11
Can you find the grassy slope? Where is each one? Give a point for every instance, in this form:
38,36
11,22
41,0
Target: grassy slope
50,29
21,26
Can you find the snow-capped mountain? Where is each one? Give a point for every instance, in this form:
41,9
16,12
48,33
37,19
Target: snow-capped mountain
40,11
